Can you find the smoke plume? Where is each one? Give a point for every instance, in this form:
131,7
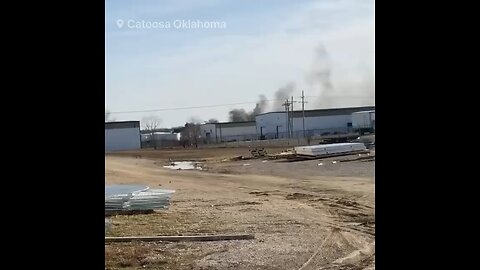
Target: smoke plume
349,92
283,93
319,78
237,115
194,120
356,90
261,106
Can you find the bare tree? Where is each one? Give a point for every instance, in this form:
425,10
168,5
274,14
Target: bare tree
191,134
151,124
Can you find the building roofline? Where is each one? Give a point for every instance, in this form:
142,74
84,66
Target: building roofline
323,110
236,122
122,122
233,124
369,111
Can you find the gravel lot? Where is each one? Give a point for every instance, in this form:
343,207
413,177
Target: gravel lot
299,212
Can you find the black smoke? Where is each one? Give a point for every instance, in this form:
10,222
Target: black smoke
238,115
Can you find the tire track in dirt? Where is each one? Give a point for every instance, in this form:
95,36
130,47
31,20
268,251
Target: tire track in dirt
288,229
355,253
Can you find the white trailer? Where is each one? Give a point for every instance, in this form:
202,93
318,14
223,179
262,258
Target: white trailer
363,121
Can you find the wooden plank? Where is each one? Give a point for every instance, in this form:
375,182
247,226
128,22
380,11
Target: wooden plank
128,212
179,238
357,159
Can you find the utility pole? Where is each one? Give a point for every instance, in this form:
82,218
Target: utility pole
291,123
287,108
303,113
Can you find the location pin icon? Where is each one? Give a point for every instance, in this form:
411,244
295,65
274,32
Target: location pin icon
120,23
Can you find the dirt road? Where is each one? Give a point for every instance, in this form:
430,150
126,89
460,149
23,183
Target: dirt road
303,215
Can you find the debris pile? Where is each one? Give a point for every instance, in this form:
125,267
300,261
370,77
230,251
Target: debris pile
285,154
258,152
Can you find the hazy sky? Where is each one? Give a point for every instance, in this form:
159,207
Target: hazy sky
263,46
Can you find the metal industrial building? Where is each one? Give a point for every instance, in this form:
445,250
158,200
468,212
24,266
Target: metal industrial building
363,121
122,136
228,131
273,125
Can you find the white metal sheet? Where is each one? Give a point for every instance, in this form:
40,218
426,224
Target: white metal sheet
326,149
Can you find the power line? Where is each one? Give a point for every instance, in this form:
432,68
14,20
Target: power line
193,107
333,96
217,105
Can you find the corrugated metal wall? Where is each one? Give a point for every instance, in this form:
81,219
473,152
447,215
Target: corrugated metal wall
122,139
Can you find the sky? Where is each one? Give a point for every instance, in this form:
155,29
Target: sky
252,48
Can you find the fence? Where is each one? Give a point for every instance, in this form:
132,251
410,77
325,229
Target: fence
260,143
159,143
312,136
312,133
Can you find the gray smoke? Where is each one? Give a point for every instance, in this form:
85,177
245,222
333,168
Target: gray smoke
261,106
346,93
237,115
319,78
367,89
195,120
281,95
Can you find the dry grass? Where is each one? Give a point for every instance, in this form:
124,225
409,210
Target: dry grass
163,255
162,223
137,255
125,256
160,255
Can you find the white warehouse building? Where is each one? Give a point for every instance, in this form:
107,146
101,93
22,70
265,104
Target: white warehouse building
122,136
363,120
273,125
228,131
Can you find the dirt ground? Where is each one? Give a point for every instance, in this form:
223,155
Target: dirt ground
303,215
